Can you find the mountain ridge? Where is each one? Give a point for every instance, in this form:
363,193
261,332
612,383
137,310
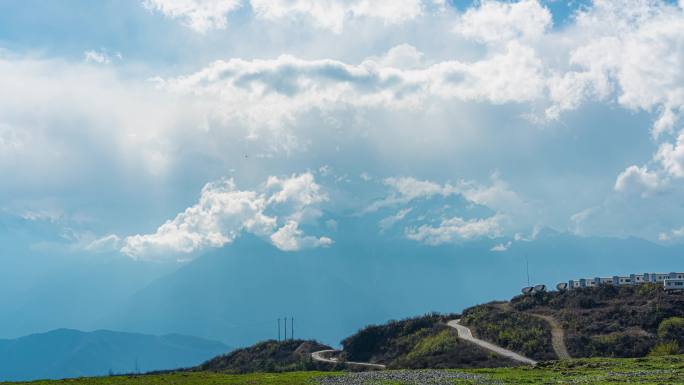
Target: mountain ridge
62,353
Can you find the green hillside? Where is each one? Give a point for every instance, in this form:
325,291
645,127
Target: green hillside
605,321
420,342
269,356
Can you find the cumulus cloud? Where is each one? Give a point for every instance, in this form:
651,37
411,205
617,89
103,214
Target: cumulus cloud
497,195
620,53
672,234
671,156
637,179
633,64
272,93
203,15
511,212
456,230
332,14
494,21
403,56
634,60
291,238
499,247
224,212
98,57
200,15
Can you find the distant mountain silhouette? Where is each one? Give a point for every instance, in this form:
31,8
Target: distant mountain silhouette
71,353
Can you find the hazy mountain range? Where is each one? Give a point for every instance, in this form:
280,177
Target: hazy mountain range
70,353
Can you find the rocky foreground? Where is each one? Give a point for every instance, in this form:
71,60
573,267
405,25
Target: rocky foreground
408,377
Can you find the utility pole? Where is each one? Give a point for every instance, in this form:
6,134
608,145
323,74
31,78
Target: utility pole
292,328
278,329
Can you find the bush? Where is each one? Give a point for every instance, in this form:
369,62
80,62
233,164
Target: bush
619,344
665,349
672,329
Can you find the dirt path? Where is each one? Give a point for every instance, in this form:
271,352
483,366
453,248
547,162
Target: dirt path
326,356
465,334
557,336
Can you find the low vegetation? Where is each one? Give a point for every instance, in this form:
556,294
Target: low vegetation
514,330
668,370
420,342
269,356
610,321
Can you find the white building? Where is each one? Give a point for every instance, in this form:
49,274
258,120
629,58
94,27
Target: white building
670,281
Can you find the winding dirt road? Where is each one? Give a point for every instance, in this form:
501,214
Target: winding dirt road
465,334
557,336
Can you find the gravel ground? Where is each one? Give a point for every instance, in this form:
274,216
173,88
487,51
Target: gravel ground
408,377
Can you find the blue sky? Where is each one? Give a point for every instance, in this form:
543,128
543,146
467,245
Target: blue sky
159,129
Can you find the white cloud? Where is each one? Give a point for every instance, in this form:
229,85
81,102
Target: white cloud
403,56
455,230
511,213
98,57
497,196
409,188
494,21
200,15
636,59
291,238
109,242
620,53
224,212
672,234
332,14
671,156
204,15
635,179
269,95
301,189
387,222
366,177
501,246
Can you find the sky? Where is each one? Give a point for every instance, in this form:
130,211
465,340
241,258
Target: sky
157,130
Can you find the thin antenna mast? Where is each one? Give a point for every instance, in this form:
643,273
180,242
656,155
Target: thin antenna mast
527,267
285,328
292,328
278,329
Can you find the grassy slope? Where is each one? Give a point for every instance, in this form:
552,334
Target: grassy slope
511,329
269,356
607,321
647,371
419,342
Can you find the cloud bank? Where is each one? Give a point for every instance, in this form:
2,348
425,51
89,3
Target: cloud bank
223,212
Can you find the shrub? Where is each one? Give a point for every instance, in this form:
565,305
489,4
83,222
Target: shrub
672,329
665,349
